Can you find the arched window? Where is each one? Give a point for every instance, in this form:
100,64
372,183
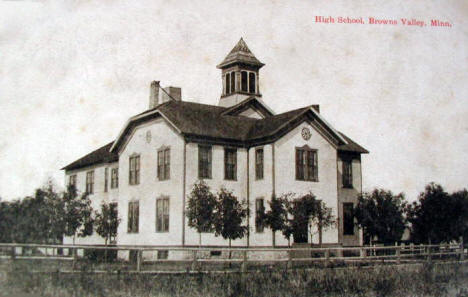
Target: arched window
244,81
228,83
251,82
233,82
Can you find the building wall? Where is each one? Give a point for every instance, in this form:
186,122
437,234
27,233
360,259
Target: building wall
98,196
349,195
260,188
150,187
238,187
285,173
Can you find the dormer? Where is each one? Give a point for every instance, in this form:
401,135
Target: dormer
239,73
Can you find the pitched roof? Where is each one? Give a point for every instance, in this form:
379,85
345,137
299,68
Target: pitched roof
351,146
211,123
240,54
101,155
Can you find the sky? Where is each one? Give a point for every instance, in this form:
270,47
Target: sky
73,72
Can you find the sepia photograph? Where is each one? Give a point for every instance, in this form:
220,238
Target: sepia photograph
233,148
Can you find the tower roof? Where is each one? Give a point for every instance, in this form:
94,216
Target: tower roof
240,54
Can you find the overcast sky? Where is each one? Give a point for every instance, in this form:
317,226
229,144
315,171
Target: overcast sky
72,73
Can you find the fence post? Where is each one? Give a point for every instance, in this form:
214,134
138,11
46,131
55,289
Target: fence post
194,260
362,252
244,262
398,255
74,254
462,249
429,257
290,264
139,256
13,253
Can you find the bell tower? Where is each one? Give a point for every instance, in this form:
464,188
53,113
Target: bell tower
239,73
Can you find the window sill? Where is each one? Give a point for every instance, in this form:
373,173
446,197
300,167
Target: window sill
162,232
348,187
308,180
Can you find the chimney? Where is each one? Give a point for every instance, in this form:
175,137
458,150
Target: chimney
316,107
154,94
171,93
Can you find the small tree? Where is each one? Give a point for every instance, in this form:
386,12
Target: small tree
77,214
302,210
276,218
323,218
381,214
230,214
107,222
201,207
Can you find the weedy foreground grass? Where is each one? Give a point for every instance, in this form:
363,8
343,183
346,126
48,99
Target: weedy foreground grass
425,280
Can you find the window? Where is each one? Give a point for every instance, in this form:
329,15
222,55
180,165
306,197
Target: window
72,180
228,83
259,215
163,254
164,163
134,170
233,82
106,179
251,82
259,163
133,216
114,178
162,214
348,219
230,164
244,81
90,182
347,174
204,161
306,164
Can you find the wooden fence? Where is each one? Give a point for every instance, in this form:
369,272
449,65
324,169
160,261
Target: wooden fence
141,259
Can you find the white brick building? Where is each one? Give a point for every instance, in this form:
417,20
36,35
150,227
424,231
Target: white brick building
149,169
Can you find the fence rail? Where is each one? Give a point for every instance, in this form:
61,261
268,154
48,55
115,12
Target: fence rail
162,258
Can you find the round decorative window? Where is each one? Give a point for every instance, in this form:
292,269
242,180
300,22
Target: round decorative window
305,133
148,136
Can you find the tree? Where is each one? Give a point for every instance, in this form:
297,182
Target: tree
380,214
323,218
431,216
77,214
302,209
201,206
230,214
107,222
276,218
460,215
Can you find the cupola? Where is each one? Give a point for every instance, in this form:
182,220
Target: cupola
239,72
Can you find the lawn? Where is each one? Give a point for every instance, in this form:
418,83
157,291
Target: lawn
404,280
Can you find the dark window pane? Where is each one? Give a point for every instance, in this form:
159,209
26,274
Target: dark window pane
259,215
228,83
259,163
233,82
244,81
252,82
348,219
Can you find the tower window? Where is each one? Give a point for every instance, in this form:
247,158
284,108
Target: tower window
233,82
244,81
228,83
251,82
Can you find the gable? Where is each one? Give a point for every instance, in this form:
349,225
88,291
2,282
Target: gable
250,107
252,113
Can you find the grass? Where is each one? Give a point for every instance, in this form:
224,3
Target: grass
407,280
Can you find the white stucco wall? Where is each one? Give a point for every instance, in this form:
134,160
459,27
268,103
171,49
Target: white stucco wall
150,187
285,171
239,187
